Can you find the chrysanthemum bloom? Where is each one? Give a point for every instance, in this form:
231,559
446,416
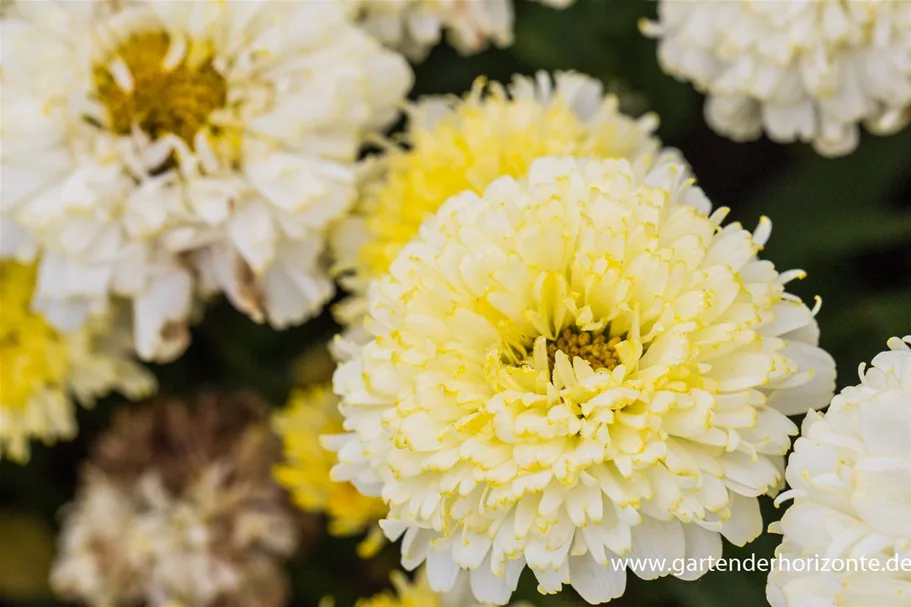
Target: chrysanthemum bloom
850,478
573,366
456,145
42,370
416,26
177,505
305,471
807,71
155,150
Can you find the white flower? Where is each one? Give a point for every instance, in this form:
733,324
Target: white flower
452,145
156,150
177,506
415,26
808,70
43,371
576,365
850,478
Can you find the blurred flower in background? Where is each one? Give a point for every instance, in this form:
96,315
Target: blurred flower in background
850,478
455,145
574,366
163,150
43,370
419,594
310,414
177,505
804,71
416,26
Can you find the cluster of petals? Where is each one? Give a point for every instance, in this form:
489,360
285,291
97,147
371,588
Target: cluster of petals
44,371
416,26
165,151
176,508
800,71
496,450
306,466
850,479
452,145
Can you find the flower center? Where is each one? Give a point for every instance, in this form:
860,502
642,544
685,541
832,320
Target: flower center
157,93
32,355
595,348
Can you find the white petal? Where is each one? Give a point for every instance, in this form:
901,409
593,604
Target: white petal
596,583
745,522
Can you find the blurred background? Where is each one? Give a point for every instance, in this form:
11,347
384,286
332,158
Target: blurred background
847,222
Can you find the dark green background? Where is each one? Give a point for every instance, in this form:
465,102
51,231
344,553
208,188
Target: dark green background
846,221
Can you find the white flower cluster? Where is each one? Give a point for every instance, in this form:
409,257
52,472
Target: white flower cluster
415,26
570,367
557,354
162,152
159,151
798,70
850,478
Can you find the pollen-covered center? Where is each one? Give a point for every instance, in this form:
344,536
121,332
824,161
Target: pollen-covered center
597,349
160,89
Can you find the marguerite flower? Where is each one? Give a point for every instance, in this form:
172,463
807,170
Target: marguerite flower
176,507
850,478
576,365
305,471
157,149
415,26
807,71
455,145
43,371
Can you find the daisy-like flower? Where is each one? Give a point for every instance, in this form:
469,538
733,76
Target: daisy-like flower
43,371
807,71
156,150
573,366
305,471
416,26
455,145
176,507
850,478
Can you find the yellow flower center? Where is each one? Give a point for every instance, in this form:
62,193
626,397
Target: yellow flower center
32,353
596,349
163,99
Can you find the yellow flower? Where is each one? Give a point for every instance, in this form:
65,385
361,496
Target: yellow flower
572,367
418,593
41,369
454,145
407,594
310,414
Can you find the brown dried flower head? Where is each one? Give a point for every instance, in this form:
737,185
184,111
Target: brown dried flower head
177,505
